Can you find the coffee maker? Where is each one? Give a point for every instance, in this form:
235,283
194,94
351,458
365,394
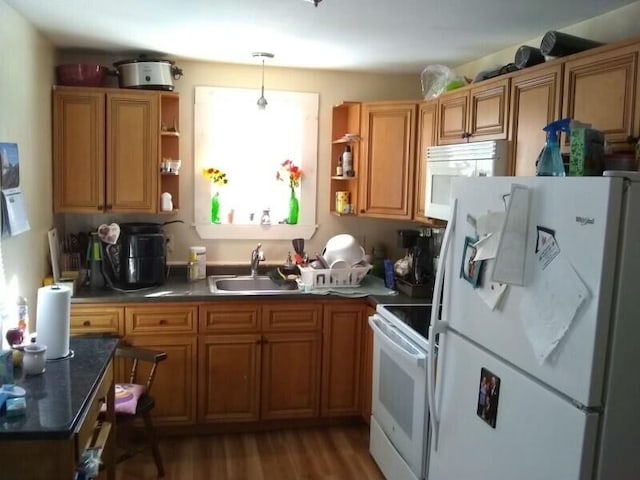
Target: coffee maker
417,279
138,259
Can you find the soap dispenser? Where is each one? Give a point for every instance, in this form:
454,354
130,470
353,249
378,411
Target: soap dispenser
549,162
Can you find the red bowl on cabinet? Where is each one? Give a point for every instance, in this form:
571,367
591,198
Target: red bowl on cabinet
81,75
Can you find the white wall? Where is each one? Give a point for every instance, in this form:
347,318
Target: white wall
607,28
27,61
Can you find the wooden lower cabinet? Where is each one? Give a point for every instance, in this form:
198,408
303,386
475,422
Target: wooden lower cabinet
174,388
228,378
290,375
244,361
341,369
259,360
172,328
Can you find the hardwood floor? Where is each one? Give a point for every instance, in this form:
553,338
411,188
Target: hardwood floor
327,453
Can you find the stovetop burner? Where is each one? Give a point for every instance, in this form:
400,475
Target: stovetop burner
415,316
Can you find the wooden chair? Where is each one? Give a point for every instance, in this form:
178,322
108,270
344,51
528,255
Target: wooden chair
137,356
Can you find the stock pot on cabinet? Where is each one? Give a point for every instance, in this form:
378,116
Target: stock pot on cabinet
150,74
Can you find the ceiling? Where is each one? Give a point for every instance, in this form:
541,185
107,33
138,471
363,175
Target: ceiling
397,36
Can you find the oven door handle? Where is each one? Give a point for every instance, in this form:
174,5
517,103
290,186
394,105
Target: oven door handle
417,356
438,326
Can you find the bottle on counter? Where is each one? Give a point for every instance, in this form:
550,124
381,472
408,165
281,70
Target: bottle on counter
23,314
347,161
192,267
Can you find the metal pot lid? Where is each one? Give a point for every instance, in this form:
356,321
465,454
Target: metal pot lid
143,60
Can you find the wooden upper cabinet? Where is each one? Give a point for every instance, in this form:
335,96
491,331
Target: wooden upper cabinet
387,160
452,115
535,102
427,125
602,89
79,151
132,152
105,150
345,119
474,114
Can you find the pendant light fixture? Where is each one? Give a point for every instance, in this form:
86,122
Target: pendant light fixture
262,102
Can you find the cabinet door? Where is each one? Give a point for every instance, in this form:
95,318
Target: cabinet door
387,162
133,171
602,90
174,388
228,380
290,375
367,366
78,151
535,102
452,117
427,123
488,111
341,352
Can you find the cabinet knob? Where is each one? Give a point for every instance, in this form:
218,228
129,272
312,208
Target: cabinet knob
162,322
86,323
100,207
361,210
109,206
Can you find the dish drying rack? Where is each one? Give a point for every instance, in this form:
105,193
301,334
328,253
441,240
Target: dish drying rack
333,277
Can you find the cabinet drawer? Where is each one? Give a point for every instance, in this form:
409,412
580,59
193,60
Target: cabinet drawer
88,425
161,319
231,317
291,316
97,319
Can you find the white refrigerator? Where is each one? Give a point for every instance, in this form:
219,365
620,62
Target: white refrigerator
542,380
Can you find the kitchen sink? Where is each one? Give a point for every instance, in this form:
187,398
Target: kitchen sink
247,285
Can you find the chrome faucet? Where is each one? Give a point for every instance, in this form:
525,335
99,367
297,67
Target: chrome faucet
256,256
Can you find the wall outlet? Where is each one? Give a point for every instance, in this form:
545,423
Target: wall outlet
170,244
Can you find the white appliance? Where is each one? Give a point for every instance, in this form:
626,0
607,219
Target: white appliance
573,415
444,162
399,421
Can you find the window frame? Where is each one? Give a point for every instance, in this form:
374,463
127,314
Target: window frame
204,99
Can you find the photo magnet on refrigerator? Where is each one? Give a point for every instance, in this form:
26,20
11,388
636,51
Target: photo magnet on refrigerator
488,394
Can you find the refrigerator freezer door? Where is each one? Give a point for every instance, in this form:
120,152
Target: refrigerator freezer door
537,434
585,215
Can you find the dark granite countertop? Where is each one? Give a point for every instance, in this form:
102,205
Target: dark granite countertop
177,289
57,399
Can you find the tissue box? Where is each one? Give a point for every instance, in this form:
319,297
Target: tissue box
6,367
586,147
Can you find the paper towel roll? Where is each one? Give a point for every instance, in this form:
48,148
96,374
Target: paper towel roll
53,320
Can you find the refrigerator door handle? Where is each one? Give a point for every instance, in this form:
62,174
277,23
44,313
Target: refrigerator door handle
417,356
438,326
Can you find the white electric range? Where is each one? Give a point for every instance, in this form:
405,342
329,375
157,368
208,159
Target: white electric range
400,419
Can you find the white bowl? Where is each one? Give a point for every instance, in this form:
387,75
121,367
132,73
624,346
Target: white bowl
343,248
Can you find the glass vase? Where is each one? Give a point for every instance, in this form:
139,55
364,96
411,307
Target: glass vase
215,208
294,208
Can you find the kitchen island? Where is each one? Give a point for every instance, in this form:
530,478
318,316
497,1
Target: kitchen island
61,417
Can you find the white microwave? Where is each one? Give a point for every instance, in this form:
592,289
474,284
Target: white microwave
481,159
